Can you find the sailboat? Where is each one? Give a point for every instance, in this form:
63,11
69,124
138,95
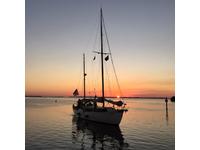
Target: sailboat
88,108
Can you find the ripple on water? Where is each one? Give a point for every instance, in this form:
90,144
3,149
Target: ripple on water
145,126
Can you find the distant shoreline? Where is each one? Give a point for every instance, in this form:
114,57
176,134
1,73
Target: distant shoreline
139,97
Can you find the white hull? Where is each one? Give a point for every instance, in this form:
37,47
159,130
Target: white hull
111,116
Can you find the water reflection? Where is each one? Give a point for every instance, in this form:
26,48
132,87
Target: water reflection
91,135
166,110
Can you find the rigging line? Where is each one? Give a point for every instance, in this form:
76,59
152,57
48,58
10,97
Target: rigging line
96,35
91,36
98,71
112,58
108,79
78,82
98,76
93,75
95,62
91,81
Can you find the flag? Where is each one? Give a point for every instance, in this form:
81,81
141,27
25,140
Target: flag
106,58
76,93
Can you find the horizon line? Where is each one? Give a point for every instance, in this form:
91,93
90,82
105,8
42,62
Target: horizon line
156,97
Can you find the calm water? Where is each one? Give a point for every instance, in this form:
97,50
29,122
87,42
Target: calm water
146,126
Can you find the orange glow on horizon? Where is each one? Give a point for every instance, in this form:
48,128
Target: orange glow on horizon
59,83
134,92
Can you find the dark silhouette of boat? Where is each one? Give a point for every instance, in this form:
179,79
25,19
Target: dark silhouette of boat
173,99
97,135
88,108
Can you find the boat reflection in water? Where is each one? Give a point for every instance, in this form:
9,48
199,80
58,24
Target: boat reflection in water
92,135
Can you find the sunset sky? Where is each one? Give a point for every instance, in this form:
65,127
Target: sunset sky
141,35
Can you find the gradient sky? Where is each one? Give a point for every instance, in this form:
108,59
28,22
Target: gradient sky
141,35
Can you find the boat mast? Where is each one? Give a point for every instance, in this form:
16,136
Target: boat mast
102,70
84,74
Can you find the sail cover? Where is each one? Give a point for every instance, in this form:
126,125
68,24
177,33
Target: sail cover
76,92
118,103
